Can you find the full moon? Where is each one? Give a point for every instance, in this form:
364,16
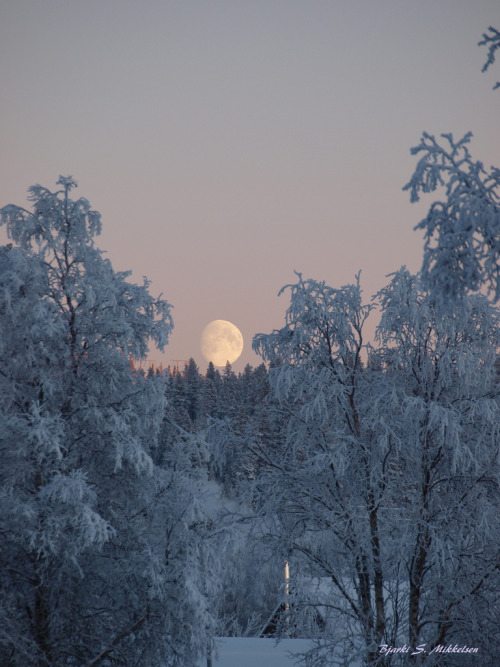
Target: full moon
221,342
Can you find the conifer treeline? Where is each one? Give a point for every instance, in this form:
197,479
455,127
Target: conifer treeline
228,411
223,421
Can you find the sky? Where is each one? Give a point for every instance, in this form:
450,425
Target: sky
230,143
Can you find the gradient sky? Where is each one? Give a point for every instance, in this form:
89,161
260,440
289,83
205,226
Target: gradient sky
228,143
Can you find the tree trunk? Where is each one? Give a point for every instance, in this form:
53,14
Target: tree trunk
41,624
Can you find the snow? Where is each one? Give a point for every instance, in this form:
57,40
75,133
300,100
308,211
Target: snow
250,651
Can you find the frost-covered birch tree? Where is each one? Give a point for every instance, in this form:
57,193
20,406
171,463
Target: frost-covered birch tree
326,483
462,231
386,487
444,486
84,576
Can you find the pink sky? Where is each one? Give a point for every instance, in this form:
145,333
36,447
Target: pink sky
227,144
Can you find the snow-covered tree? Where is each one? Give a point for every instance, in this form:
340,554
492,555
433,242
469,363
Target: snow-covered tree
84,578
462,232
326,482
444,490
193,389
385,488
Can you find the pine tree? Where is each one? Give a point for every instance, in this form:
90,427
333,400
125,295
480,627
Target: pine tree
192,381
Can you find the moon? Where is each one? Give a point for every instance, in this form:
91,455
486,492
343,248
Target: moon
221,341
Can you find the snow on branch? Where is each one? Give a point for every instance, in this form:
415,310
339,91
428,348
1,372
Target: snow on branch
492,41
462,231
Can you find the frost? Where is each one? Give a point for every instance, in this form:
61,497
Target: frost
76,425
386,473
491,39
461,232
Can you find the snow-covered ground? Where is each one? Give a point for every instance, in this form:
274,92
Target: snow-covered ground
253,652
